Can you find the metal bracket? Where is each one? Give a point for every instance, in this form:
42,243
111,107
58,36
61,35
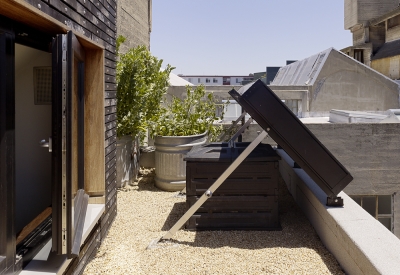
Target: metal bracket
295,165
334,201
214,186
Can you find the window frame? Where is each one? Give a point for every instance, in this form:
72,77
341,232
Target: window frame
359,199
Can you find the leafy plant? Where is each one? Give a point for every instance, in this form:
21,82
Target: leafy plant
141,86
191,116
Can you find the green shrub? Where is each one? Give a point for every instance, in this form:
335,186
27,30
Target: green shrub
141,86
191,116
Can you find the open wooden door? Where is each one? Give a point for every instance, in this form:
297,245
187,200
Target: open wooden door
67,144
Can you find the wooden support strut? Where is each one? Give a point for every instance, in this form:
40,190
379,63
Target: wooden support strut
239,132
214,186
223,135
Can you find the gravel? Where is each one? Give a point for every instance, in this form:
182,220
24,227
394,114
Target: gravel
146,213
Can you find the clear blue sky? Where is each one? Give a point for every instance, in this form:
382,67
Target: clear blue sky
238,37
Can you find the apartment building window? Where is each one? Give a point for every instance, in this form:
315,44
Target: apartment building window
226,81
198,80
380,207
237,80
190,80
215,80
207,80
359,55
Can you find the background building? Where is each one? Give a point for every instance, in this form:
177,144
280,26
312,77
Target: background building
375,26
134,23
332,80
213,80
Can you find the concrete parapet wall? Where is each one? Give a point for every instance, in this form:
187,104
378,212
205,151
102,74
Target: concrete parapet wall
370,151
360,243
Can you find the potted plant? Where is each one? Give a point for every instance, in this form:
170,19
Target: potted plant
141,84
182,124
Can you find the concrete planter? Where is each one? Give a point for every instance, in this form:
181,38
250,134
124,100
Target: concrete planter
169,163
127,160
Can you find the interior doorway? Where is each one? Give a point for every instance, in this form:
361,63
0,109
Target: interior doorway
32,125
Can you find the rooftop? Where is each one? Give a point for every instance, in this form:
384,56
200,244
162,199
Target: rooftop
146,213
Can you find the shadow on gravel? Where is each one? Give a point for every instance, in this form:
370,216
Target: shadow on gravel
296,232
145,181
176,213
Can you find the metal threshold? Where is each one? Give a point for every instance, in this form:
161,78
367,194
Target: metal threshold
47,262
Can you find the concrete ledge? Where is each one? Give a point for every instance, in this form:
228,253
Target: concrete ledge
344,116
360,243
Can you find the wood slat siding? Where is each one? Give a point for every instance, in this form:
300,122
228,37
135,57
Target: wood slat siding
97,20
246,200
389,66
87,252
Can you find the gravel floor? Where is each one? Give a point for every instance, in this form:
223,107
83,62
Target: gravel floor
146,213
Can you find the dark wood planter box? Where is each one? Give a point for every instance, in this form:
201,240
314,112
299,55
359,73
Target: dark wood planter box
247,200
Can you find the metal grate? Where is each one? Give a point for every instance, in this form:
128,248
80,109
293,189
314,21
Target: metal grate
42,85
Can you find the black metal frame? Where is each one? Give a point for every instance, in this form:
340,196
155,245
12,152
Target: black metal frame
294,137
57,120
7,149
63,85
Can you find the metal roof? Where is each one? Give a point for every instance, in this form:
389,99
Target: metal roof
387,50
302,72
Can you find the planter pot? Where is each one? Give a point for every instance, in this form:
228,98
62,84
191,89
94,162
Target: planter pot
169,163
147,157
127,160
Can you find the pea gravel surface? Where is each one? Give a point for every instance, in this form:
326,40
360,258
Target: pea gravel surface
146,213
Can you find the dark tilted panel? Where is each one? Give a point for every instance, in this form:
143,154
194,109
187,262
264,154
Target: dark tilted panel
293,136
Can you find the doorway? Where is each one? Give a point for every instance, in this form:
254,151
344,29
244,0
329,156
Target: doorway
30,174
32,125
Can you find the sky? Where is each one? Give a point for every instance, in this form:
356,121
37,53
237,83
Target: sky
239,37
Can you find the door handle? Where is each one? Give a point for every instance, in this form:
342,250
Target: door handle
44,143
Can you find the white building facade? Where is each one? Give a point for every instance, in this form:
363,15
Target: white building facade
213,80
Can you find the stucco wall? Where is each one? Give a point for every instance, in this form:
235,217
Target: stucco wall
134,22
348,85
